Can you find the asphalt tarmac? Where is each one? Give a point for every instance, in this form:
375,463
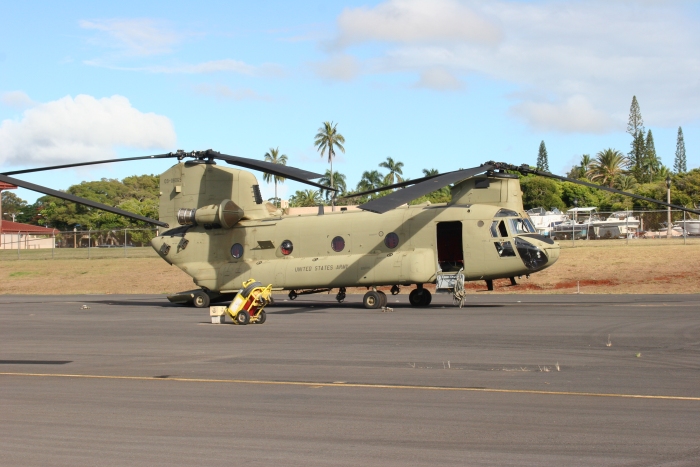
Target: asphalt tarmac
508,380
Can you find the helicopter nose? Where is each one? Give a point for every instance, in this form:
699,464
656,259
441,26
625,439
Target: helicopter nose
537,251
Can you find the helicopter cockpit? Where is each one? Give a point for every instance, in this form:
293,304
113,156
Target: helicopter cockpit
509,231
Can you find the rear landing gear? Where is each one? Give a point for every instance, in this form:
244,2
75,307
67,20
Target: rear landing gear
341,295
420,297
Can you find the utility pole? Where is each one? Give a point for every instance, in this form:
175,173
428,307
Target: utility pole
668,200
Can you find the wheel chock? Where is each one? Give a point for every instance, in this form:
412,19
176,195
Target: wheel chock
218,314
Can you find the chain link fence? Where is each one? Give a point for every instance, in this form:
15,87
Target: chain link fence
649,227
78,244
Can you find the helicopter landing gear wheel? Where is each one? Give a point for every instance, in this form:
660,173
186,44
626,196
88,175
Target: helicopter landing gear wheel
293,295
341,295
242,318
420,297
382,299
372,300
200,299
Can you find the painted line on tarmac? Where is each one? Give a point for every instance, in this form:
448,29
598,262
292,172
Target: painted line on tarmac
312,384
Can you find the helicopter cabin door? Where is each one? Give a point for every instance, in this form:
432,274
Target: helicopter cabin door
449,246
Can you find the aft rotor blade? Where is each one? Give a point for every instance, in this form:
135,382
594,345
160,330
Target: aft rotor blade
292,173
78,200
80,164
391,187
397,198
527,170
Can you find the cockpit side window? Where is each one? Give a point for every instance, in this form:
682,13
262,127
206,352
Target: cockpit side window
498,229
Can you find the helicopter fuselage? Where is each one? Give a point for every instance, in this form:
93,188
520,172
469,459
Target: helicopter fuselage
355,248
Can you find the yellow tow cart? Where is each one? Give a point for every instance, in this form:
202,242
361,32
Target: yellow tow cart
249,303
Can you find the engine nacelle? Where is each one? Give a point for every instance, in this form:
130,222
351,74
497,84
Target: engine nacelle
226,215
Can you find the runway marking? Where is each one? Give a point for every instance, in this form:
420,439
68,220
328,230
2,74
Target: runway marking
316,384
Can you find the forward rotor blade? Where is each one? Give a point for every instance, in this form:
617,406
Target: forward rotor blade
292,173
80,164
78,200
397,198
528,170
391,187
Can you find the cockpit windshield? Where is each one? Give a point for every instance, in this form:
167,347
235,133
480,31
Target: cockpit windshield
521,226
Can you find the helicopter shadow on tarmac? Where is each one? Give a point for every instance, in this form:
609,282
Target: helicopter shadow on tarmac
316,306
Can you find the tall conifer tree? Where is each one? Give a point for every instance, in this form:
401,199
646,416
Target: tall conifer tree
637,154
635,123
680,164
542,160
651,163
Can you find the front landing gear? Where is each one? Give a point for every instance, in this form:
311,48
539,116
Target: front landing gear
374,299
420,297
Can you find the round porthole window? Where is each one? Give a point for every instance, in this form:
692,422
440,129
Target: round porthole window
237,250
286,247
338,244
391,240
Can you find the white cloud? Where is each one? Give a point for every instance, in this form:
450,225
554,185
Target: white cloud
581,61
575,114
17,100
137,36
338,68
81,128
439,79
221,91
415,21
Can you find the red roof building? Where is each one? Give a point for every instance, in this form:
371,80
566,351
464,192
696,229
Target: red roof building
17,227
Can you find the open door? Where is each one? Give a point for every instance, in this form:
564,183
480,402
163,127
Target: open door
449,246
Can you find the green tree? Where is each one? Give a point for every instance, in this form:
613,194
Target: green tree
607,166
327,140
689,184
637,154
626,183
635,124
680,164
139,194
370,180
650,164
337,182
395,171
12,205
541,192
273,156
305,198
542,159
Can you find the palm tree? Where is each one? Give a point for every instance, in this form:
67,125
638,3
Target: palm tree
338,182
607,166
327,140
430,172
370,180
626,183
273,156
585,165
305,198
395,171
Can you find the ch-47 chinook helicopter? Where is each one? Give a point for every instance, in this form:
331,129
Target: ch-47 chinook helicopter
216,228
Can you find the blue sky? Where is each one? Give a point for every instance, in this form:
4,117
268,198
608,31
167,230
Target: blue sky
432,83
